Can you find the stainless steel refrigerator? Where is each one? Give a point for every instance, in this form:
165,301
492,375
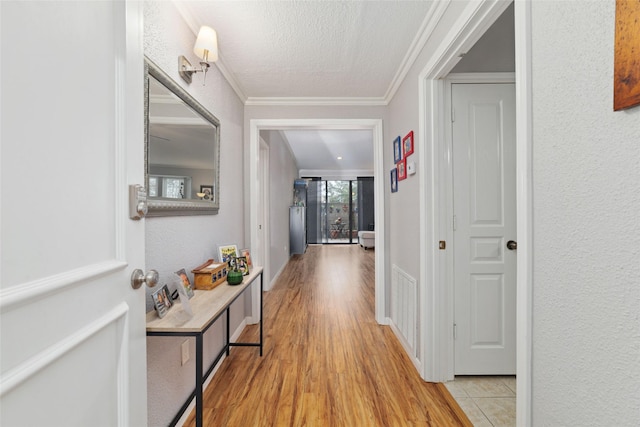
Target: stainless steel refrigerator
297,230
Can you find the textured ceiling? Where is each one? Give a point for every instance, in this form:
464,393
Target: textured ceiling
334,49
309,52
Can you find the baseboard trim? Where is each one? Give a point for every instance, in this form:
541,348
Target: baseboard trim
205,385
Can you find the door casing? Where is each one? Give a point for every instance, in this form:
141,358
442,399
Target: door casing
434,302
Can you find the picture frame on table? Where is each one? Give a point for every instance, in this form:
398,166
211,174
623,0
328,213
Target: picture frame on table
227,252
162,301
394,180
407,145
402,169
397,150
185,282
247,253
241,264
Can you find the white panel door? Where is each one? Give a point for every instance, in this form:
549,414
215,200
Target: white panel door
72,328
483,135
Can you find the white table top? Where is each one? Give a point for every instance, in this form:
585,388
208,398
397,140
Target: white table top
206,305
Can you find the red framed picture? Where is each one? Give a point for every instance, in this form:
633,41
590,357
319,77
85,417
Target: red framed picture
402,169
407,145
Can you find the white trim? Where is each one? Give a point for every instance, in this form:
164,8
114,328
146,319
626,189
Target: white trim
524,182
40,361
266,229
234,337
317,101
430,22
38,288
194,25
330,174
407,348
375,125
435,302
275,277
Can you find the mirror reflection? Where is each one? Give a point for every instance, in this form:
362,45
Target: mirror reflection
182,150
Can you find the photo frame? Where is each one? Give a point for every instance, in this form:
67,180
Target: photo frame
402,169
247,253
397,150
227,252
207,190
407,145
241,264
394,180
185,282
162,301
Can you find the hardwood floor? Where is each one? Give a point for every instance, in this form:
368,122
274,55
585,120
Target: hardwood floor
326,361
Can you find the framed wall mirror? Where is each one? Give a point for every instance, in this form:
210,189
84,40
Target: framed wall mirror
182,149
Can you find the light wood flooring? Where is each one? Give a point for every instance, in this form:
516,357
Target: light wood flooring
326,361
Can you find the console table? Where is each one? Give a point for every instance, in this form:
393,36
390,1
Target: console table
207,307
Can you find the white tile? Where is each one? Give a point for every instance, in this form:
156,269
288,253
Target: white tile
501,412
485,387
456,389
473,412
511,383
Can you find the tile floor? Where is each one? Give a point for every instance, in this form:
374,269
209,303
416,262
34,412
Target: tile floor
487,401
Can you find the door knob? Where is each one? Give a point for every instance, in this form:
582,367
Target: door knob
138,278
511,245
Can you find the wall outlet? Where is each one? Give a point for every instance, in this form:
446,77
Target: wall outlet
185,352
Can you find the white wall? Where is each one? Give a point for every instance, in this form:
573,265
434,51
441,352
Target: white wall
586,169
185,242
282,172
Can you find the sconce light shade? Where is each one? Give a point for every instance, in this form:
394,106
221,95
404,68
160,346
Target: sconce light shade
206,47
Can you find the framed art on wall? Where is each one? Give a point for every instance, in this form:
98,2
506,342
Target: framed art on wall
394,180
407,145
397,150
402,169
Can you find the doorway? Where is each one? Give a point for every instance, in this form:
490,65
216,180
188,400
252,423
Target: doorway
333,215
252,160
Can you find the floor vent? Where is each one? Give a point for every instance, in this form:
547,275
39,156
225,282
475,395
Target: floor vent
404,303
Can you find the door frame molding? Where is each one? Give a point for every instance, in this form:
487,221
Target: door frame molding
436,301
375,125
446,147
265,201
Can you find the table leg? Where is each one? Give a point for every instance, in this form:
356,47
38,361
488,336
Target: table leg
199,362
228,341
261,292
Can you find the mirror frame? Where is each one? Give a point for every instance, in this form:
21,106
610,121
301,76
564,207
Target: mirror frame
178,207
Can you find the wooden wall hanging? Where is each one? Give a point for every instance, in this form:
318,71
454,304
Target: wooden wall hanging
626,85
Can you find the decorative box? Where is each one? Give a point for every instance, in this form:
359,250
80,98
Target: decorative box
210,274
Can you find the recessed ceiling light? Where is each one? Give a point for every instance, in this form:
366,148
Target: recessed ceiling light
339,157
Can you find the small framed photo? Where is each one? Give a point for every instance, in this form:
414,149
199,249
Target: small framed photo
397,150
162,301
407,145
247,254
241,265
207,190
402,169
226,252
394,180
185,282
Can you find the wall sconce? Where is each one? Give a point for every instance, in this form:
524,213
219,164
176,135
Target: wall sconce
206,48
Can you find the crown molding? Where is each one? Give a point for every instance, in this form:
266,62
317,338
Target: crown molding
317,101
428,25
194,25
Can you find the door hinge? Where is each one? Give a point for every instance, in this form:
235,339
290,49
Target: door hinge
455,331
442,245
455,223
